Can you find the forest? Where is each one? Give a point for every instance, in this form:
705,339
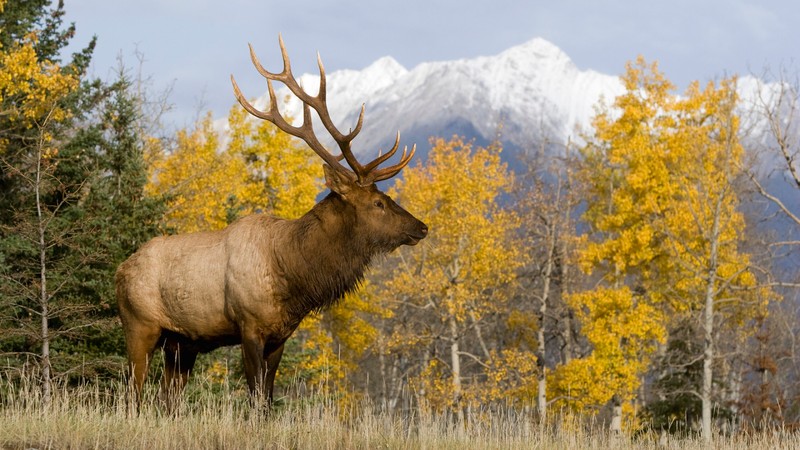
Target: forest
645,277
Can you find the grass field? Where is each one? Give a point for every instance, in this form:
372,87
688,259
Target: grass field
94,418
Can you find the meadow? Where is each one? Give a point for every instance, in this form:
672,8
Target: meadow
99,418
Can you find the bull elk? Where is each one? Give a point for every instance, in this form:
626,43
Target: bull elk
254,281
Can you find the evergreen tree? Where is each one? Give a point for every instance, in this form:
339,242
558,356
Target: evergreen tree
41,102
116,209
71,194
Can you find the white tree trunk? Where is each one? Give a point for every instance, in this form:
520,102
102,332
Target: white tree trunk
708,359
708,322
43,294
455,360
616,415
383,396
541,398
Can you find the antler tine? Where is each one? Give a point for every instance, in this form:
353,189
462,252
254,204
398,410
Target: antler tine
365,174
287,68
382,158
246,105
320,104
304,132
323,85
389,172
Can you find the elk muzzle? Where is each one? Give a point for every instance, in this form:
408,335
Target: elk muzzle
416,234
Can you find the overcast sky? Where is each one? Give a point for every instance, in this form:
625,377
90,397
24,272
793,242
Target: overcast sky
194,45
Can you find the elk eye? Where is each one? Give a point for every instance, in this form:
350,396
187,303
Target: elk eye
379,204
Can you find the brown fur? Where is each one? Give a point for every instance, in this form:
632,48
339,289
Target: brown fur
253,282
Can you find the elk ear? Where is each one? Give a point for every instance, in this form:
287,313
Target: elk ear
337,181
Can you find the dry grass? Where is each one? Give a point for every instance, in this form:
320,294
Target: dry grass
88,418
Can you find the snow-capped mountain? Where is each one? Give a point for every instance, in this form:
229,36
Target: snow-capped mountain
533,89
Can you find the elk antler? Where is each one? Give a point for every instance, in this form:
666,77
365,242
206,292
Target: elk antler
364,174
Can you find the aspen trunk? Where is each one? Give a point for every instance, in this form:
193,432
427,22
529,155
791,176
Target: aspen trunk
616,415
708,357
455,359
383,397
43,294
708,324
541,398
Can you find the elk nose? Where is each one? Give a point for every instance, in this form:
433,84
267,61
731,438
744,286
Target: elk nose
424,230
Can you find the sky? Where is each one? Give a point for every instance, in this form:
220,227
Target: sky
190,48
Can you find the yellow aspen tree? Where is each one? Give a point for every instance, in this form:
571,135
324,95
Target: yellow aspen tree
202,185
31,89
623,330
662,206
447,292
626,182
705,229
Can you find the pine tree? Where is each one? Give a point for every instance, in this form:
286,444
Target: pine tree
116,208
40,101
71,178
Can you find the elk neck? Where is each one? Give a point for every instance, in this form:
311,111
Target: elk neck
329,255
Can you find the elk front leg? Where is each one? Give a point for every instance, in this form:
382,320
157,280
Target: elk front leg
255,369
273,360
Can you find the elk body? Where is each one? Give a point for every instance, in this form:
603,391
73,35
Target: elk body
253,282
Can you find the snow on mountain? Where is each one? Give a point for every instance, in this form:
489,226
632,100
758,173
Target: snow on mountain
347,90
533,89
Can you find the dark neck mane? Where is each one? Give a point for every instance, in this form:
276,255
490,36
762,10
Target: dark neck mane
327,258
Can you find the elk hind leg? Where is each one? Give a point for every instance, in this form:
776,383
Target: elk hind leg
140,342
179,359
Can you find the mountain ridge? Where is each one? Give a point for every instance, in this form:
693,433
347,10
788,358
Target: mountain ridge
533,89
524,94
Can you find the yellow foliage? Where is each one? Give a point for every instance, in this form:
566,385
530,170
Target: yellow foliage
31,89
623,331
658,165
261,169
511,377
470,246
287,174
463,270
658,178
432,386
203,187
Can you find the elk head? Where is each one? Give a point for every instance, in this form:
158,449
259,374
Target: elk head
368,213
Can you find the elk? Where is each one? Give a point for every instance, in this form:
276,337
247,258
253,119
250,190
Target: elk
254,281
